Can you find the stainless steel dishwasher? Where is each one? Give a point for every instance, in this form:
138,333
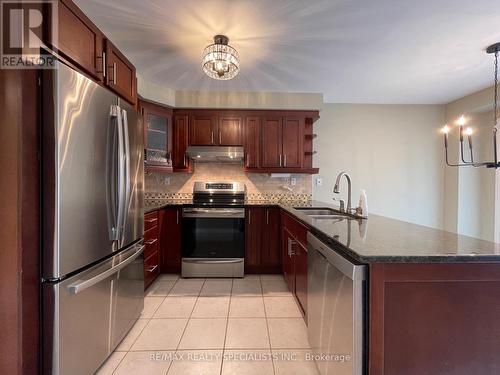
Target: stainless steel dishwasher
336,310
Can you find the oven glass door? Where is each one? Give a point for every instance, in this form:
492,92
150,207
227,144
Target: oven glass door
213,236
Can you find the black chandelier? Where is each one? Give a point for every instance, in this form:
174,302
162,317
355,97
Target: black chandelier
469,162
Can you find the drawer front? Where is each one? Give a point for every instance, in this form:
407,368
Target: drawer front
150,220
150,241
296,228
151,269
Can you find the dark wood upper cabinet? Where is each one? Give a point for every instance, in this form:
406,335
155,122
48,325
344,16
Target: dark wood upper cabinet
252,141
293,137
120,74
229,130
79,40
271,142
180,143
83,46
158,136
203,129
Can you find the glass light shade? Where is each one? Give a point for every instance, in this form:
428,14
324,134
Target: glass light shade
220,60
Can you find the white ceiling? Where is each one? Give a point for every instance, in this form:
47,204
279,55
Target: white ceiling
352,51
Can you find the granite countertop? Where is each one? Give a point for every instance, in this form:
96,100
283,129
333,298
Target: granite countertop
378,238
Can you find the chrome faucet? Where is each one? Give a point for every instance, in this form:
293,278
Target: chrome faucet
336,190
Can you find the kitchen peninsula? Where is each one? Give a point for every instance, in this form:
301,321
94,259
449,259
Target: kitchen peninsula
425,287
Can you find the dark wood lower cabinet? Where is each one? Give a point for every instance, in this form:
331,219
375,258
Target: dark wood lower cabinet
170,240
262,232
151,269
434,319
151,257
300,253
288,265
271,255
253,239
294,253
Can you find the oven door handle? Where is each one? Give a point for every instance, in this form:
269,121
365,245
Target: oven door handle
212,261
214,213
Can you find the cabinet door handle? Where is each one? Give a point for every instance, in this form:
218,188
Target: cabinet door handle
220,137
152,269
177,217
248,160
150,242
249,217
284,162
104,64
280,160
267,216
212,137
151,220
290,247
114,73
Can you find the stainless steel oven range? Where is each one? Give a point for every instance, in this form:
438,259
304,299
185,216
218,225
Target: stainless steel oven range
213,231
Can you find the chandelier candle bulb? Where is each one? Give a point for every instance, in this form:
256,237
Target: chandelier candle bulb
445,131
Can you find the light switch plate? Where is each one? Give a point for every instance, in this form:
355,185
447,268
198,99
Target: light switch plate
293,181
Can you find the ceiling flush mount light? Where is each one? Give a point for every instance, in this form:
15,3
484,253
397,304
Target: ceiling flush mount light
469,162
220,60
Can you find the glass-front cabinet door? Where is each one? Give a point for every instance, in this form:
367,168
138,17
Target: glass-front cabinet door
157,137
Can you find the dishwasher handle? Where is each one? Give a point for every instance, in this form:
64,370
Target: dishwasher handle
348,268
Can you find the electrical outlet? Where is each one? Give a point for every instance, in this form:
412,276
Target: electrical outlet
319,181
293,181
166,181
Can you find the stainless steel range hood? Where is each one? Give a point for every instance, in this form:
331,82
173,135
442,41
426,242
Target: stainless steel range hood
215,154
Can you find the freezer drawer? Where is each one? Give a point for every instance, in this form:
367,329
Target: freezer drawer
87,315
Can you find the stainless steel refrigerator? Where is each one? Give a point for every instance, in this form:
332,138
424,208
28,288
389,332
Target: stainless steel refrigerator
92,250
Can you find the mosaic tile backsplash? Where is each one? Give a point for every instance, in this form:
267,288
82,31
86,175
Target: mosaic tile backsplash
260,186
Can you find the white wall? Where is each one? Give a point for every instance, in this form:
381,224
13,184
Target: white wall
154,92
254,100
393,151
227,99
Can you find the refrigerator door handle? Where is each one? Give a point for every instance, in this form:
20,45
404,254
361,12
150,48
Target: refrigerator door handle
114,169
121,174
80,286
126,172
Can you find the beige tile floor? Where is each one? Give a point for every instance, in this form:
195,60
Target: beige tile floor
215,326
